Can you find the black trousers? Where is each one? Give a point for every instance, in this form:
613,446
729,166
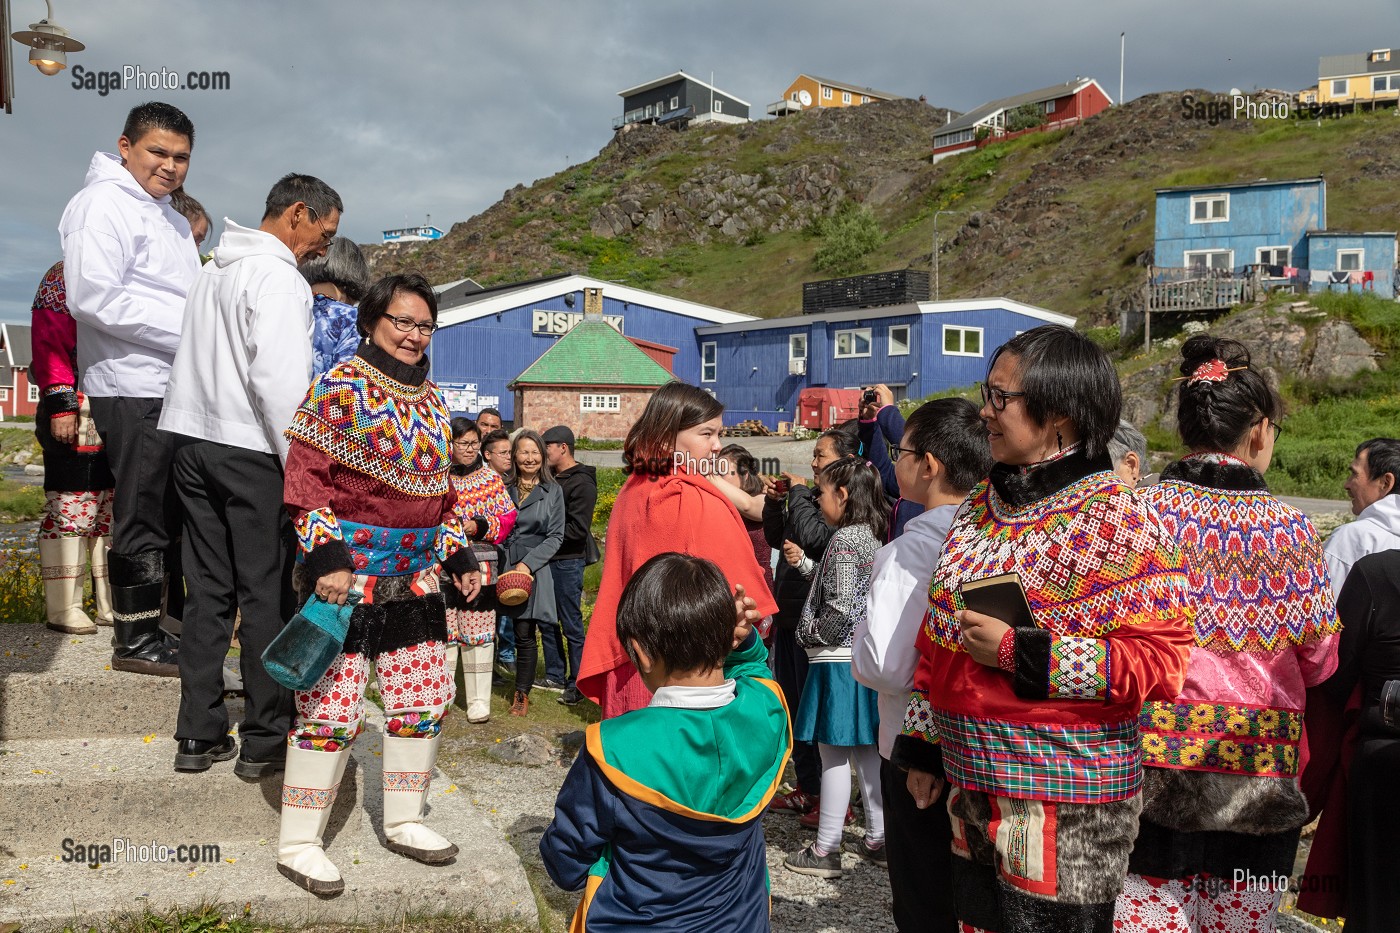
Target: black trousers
789,663
238,548
144,507
919,845
527,654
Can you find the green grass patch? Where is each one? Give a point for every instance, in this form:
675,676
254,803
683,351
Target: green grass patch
20,502
21,588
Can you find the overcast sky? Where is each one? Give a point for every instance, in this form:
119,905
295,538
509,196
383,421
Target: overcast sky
438,107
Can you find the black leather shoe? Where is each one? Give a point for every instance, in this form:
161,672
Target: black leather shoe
194,755
256,767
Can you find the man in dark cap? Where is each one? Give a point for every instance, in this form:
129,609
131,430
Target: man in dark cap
580,483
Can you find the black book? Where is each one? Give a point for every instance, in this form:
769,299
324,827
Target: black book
1000,597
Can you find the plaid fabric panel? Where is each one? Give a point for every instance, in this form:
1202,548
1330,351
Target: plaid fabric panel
1226,737
1078,669
1069,764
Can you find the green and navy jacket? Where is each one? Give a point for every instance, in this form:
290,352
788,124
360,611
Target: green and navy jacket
660,819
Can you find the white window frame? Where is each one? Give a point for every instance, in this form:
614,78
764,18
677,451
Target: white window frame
855,333
710,349
1380,55
675,103
826,93
1049,106
1343,83
963,331
1209,199
793,340
1360,255
864,99
4,395
647,110
891,348
795,95
845,97
33,393
1209,266
1261,259
599,403
718,105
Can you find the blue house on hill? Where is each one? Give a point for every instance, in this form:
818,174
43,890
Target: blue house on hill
1279,225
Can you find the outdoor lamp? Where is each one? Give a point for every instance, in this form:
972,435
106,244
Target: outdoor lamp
49,44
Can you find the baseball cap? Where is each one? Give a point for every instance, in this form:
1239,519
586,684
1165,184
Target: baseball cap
559,434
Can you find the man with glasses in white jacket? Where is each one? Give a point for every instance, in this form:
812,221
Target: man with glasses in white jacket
242,371
128,262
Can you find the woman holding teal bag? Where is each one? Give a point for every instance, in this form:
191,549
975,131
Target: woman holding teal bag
367,489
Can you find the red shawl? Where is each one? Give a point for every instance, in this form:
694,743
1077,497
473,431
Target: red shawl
653,515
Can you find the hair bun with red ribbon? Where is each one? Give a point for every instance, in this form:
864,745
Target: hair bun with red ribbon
1212,371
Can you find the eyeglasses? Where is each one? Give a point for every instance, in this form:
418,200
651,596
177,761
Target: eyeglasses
1275,426
406,324
896,451
995,397
466,445
325,237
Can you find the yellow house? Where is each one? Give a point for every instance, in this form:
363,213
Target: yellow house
809,92
1361,76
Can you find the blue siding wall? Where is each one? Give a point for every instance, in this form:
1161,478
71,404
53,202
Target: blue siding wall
1379,258
1265,216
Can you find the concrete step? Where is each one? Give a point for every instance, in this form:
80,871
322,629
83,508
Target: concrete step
57,686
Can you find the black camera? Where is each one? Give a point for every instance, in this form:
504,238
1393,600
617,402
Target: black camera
869,397
1390,703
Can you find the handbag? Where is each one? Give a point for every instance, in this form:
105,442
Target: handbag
306,647
88,440
591,552
488,559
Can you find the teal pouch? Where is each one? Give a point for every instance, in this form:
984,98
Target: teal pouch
303,651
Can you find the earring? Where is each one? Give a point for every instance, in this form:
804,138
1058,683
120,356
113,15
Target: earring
1059,441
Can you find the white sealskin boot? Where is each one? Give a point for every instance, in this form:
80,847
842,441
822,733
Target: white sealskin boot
62,562
476,675
101,587
449,654
408,769
308,791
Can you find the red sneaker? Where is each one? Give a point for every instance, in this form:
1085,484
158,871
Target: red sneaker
798,801
812,816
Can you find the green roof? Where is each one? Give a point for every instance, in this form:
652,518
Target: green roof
594,353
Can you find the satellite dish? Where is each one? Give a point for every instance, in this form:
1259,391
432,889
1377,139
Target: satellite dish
804,98
1234,92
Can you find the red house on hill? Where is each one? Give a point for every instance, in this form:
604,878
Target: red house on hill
1059,105
17,395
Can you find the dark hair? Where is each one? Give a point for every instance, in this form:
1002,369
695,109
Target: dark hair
187,207
155,115
462,426
488,411
381,294
309,190
866,503
343,266
746,465
672,409
546,477
495,437
953,432
680,610
1382,457
1217,415
845,439
1065,373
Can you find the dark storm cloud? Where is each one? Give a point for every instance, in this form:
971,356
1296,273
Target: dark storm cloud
437,107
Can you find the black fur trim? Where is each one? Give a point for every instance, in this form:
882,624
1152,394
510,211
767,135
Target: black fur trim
1018,487
1032,677
59,403
975,894
136,569
910,752
1235,477
462,561
327,558
481,530
136,600
402,623
1024,912
1168,853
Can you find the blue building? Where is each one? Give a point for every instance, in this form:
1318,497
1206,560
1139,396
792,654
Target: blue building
758,367
489,336
1280,225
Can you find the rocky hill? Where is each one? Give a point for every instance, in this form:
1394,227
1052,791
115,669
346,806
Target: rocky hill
724,215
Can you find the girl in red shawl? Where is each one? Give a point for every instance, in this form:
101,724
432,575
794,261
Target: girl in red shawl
667,504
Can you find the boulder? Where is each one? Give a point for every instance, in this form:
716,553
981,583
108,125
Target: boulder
1339,353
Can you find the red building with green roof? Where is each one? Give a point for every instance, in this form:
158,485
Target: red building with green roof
593,379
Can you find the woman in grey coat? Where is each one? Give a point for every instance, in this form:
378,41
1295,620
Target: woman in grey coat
538,532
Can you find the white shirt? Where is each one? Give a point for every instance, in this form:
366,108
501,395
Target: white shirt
1377,528
128,262
694,697
245,363
883,652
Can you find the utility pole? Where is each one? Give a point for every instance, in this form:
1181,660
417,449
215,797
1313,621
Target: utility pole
935,248
1122,49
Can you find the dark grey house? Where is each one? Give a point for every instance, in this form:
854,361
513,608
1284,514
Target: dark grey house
678,97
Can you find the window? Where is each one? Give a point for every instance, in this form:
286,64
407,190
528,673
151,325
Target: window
1273,255
34,393
797,346
4,395
826,93
899,340
1348,260
852,343
864,99
1049,106
1382,83
794,95
1380,55
1339,87
717,106
845,97
648,110
1210,208
1214,260
675,103
962,341
600,403
709,355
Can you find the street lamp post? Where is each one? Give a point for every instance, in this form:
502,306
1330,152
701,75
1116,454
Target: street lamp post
935,248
